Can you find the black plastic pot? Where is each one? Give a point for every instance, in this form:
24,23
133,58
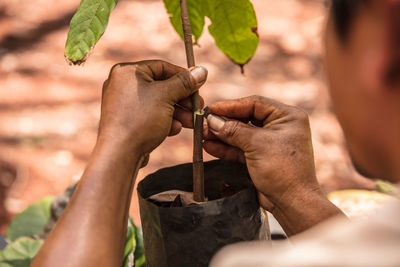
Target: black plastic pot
190,236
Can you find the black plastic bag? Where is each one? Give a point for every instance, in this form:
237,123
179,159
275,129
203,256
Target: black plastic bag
190,236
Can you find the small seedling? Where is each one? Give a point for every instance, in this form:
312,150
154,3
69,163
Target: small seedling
233,26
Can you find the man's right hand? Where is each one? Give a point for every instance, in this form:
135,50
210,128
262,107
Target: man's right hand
274,141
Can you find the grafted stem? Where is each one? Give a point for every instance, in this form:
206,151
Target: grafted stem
198,167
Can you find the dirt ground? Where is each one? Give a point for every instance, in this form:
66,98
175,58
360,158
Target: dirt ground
49,111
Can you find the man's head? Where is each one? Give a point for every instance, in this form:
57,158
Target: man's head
362,59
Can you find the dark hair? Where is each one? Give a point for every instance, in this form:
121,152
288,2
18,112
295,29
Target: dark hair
343,12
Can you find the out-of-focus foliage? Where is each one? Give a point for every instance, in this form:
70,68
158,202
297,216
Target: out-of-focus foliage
31,221
234,26
387,188
87,26
26,227
196,16
20,253
134,251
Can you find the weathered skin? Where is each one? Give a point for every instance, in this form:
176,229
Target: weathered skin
364,81
137,114
278,153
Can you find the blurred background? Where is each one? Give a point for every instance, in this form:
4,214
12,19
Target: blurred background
49,111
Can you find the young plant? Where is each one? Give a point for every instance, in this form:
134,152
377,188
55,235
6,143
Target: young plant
28,230
233,26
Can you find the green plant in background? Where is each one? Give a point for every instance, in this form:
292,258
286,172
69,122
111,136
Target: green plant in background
86,27
233,26
387,188
31,221
26,236
23,234
134,251
20,253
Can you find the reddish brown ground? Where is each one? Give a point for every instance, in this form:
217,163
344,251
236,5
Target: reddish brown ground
49,111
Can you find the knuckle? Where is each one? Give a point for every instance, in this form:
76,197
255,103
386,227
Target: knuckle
265,101
253,99
105,84
122,68
185,80
301,115
116,68
257,98
231,129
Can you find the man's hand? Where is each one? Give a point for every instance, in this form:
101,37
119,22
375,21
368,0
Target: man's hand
274,141
139,103
142,103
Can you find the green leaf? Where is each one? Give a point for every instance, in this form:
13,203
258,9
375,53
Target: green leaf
234,28
140,260
134,251
31,221
196,16
387,188
86,27
20,253
234,25
130,245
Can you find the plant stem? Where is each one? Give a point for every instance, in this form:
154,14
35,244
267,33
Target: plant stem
198,168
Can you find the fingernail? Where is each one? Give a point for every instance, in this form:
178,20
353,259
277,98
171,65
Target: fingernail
215,122
199,74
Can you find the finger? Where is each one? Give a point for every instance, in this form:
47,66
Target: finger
105,84
176,128
151,70
183,84
224,151
184,117
207,133
254,108
158,70
187,103
232,132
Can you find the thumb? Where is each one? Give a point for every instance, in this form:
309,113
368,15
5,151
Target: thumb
231,132
184,83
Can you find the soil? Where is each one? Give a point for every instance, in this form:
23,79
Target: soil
224,192
50,111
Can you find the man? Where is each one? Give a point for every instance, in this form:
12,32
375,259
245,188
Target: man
138,112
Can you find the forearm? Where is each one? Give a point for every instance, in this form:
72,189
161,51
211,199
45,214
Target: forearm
303,211
91,232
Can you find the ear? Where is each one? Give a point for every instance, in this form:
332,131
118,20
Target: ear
380,59
393,49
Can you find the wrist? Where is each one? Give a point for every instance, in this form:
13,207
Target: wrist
118,144
117,153
303,209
